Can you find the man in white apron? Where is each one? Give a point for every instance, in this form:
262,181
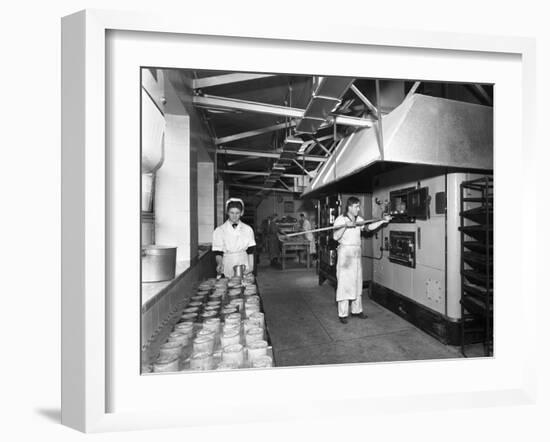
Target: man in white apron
305,225
233,242
349,270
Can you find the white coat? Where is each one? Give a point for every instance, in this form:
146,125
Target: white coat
233,242
349,269
309,236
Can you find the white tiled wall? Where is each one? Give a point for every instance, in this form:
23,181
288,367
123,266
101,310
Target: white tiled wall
184,207
193,221
172,197
205,201
184,195
220,194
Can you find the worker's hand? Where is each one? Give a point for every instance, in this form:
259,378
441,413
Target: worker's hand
387,218
219,269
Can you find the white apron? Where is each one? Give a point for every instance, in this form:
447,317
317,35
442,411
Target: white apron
311,239
233,243
349,268
309,236
231,259
349,272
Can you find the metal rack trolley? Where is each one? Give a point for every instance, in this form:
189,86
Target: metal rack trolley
476,263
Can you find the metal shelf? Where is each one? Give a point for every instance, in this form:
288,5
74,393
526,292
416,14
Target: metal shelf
479,199
476,261
478,277
478,214
478,247
475,306
480,232
476,290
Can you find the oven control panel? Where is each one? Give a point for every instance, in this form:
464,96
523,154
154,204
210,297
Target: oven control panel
403,248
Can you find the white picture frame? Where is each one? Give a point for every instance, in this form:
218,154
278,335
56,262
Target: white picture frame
89,314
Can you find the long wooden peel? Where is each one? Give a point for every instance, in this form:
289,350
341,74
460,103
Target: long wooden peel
358,224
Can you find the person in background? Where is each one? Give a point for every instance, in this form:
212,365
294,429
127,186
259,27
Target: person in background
233,242
263,234
273,239
349,269
305,225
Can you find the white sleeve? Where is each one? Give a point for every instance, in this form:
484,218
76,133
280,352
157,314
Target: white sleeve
340,221
217,240
251,239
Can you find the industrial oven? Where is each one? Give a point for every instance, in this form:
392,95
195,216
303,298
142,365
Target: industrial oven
412,265
418,276
329,208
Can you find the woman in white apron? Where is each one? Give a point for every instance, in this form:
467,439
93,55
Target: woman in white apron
233,242
349,269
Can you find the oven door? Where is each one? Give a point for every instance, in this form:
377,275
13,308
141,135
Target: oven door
403,248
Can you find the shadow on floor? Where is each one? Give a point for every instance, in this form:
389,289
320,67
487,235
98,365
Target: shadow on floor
51,414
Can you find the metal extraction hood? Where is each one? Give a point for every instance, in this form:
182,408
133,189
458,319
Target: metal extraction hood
422,130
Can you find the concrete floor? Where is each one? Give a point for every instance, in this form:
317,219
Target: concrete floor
303,324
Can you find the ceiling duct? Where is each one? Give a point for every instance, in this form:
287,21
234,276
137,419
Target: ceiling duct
325,100
289,152
422,130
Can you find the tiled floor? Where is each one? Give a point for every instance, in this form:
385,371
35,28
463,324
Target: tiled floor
304,328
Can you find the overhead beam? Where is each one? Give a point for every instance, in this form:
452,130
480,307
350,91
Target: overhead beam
252,133
244,105
251,173
266,189
412,89
240,161
265,154
484,95
316,141
364,99
284,185
379,128
346,105
332,147
240,178
218,80
303,168
308,145
311,144
210,101
326,137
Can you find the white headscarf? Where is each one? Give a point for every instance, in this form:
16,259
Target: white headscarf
238,200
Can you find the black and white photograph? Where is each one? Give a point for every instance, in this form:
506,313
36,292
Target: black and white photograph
232,221
301,220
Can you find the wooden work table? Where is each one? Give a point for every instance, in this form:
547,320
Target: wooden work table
291,246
